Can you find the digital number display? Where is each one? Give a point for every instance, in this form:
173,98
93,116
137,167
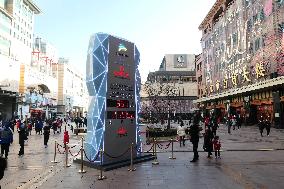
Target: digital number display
120,115
117,103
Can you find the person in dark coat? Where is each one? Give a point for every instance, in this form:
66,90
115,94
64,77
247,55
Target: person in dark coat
3,166
267,124
194,138
214,125
76,120
46,133
54,126
239,120
261,124
85,121
6,138
40,125
22,138
208,144
229,124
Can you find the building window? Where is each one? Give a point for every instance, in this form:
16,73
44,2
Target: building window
257,44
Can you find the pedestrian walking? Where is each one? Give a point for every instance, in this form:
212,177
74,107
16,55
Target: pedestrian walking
6,138
267,125
40,126
261,124
30,127
181,133
54,126
3,166
18,123
206,122
229,124
76,120
46,133
234,121
22,138
217,146
59,124
208,144
12,125
80,122
85,121
194,138
214,125
239,120
66,137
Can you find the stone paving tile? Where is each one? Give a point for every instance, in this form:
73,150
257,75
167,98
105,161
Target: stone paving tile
247,169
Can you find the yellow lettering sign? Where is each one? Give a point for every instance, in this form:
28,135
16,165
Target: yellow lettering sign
234,79
225,83
245,73
217,85
259,70
211,88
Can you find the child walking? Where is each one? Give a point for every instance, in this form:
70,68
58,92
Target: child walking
217,146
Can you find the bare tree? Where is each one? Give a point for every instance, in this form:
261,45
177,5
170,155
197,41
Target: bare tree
159,101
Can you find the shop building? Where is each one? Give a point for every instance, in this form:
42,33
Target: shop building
199,69
38,84
243,59
177,74
72,91
16,32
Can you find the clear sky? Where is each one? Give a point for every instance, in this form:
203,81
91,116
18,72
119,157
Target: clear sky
157,27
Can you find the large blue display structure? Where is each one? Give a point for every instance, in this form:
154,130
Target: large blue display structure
113,83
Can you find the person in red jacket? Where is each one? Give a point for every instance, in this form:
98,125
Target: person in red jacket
66,137
18,123
217,146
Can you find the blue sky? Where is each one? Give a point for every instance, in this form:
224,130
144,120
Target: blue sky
157,27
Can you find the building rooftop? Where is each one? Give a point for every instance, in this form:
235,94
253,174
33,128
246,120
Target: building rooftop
32,6
172,73
5,12
211,13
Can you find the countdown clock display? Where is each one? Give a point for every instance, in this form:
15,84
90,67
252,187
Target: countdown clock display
115,101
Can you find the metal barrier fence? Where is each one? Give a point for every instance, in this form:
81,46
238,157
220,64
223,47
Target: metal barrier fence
66,149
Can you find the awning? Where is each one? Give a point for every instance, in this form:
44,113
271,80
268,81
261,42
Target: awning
42,87
247,88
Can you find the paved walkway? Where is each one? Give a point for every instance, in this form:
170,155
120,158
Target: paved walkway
246,138
244,164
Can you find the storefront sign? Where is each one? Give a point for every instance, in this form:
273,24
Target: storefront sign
256,102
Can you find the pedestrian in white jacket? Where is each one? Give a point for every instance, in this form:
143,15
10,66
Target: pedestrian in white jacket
181,133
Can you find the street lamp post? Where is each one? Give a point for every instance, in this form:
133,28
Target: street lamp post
228,108
246,99
169,119
69,105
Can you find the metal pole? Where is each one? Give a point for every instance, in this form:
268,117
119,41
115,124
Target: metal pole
54,158
66,158
153,153
155,162
172,157
131,168
101,177
82,157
